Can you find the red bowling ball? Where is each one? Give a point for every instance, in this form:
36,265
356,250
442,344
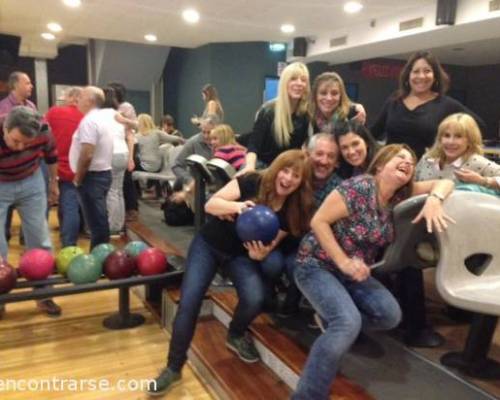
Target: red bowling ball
151,262
8,277
119,265
37,264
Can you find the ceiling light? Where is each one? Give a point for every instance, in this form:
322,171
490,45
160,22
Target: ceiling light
150,37
277,47
287,28
72,3
48,36
352,7
191,16
54,27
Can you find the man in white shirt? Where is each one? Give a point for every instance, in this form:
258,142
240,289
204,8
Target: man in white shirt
90,159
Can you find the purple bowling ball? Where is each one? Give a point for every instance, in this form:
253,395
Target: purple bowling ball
258,223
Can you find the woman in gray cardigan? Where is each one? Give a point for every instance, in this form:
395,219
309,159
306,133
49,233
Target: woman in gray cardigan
149,140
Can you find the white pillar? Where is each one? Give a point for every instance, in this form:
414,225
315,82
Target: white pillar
42,86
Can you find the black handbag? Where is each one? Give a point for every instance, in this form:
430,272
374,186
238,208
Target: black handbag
177,214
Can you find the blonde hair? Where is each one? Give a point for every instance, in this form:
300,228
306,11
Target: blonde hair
283,126
464,125
145,124
331,78
225,134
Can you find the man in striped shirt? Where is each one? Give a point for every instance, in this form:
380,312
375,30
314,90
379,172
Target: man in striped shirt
23,142
20,90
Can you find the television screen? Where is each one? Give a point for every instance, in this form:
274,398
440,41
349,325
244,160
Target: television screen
270,88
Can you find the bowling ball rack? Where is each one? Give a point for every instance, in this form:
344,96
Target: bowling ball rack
57,285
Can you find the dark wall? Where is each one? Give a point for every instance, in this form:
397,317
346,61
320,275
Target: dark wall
236,69
10,62
68,68
483,96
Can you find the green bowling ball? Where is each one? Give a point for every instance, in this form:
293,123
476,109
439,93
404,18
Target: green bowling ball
102,251
84,269
65,256
135,247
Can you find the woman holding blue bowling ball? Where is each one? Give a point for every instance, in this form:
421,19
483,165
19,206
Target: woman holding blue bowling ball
284,187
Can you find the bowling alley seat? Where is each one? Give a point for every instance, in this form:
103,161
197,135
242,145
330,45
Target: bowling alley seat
413,245
210,175
165,178
468,276
412,250
222,171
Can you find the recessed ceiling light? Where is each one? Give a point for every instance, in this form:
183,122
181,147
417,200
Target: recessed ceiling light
72,3
287,28
150,37
352,7
191,15
54,27
48,36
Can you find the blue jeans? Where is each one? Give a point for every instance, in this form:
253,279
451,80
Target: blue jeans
201,266
92,197
346,307
30,199
69,214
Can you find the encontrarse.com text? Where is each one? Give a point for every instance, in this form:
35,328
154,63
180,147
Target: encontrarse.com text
56,384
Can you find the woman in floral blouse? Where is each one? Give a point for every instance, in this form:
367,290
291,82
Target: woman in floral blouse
348,231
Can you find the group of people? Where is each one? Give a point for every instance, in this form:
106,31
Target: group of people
77,156
311,159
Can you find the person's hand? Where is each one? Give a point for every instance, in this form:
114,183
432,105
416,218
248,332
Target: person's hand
178,197
434,215
130,165
53,193
195,120
468,176
257,250
239,207
356,269
360,113
244,170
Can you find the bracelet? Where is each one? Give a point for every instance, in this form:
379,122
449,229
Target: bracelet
437,196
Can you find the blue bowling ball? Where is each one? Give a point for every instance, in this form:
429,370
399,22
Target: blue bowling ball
257,223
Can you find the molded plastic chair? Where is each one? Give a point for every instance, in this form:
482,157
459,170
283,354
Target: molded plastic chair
405,251
468,276
165,177
221,170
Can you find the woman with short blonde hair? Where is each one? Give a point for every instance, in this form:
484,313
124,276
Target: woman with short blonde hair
457,154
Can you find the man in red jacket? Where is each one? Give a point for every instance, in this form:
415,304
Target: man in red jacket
63,121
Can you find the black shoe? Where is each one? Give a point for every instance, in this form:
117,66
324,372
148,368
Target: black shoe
163,382
49,307
244,347
424,338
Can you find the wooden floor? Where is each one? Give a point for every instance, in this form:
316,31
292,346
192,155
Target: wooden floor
77,348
